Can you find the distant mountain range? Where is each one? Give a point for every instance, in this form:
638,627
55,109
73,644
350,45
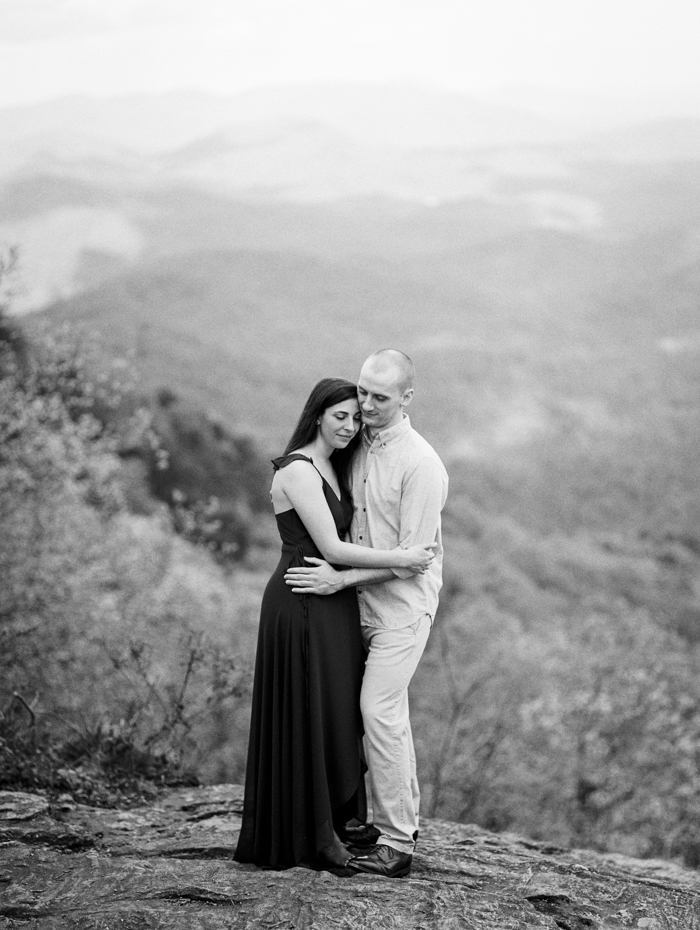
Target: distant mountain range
238,249
367,115
89,187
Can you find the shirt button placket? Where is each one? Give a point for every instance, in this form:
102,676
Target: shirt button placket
363,521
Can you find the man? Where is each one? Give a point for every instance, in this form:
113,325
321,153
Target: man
399,489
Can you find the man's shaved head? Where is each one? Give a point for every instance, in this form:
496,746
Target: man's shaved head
386,360
384,388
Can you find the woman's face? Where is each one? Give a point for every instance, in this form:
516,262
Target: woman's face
340,423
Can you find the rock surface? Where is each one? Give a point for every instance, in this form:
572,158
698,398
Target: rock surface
168,865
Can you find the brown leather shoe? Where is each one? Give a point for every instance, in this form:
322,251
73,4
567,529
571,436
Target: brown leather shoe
383,860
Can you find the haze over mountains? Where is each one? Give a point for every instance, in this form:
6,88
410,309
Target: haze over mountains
365,114
545,278
83,177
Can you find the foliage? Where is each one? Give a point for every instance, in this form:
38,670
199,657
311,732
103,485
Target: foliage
110,624
584,733
99,765
211,478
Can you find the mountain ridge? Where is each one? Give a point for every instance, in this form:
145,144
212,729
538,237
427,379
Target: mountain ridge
373,113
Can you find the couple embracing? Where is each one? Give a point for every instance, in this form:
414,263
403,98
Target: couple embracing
343,626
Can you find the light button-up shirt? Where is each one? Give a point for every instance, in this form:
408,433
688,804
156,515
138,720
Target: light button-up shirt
399,488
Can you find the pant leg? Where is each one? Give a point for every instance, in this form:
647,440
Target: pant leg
393,657
415,790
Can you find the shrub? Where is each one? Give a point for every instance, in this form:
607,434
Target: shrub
119,639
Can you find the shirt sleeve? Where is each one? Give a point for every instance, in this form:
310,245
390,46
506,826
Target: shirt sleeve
422,499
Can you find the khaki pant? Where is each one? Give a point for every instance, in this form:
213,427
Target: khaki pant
393,656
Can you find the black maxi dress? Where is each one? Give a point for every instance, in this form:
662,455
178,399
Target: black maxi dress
305,764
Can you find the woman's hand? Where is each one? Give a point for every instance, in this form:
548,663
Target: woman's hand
418,558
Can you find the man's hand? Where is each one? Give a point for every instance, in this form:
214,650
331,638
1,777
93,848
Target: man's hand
319,578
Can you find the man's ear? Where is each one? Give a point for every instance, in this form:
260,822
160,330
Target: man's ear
407,397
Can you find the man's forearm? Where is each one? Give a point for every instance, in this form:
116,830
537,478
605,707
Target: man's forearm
352,577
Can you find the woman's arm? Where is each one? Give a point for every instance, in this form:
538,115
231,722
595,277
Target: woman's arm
303,487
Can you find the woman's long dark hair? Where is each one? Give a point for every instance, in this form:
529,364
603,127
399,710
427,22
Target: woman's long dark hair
327,393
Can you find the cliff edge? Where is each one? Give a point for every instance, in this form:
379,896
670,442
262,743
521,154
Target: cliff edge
167,864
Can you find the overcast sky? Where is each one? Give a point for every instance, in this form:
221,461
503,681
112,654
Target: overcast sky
108,47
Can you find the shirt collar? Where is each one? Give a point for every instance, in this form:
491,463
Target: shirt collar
387,435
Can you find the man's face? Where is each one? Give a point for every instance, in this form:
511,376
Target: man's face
381,397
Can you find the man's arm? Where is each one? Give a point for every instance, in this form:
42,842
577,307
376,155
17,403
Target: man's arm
322,578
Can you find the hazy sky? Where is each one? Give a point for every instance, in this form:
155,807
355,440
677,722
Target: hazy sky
106,47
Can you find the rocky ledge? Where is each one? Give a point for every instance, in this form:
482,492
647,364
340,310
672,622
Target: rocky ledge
168,865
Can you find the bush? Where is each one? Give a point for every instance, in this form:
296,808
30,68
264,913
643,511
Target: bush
212,479
112,627
585,737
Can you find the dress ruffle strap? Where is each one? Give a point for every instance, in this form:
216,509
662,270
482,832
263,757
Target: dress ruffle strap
282,460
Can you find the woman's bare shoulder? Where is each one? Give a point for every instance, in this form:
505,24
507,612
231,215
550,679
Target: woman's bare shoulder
301,469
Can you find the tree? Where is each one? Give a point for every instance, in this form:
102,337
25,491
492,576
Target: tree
117,638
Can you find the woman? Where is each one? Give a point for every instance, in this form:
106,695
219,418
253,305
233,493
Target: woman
304,777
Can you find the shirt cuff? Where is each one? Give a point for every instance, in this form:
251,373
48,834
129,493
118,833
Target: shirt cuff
403,572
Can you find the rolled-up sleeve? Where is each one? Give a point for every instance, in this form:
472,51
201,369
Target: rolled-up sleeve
423,496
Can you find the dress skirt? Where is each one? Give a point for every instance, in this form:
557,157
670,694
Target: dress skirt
305,765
